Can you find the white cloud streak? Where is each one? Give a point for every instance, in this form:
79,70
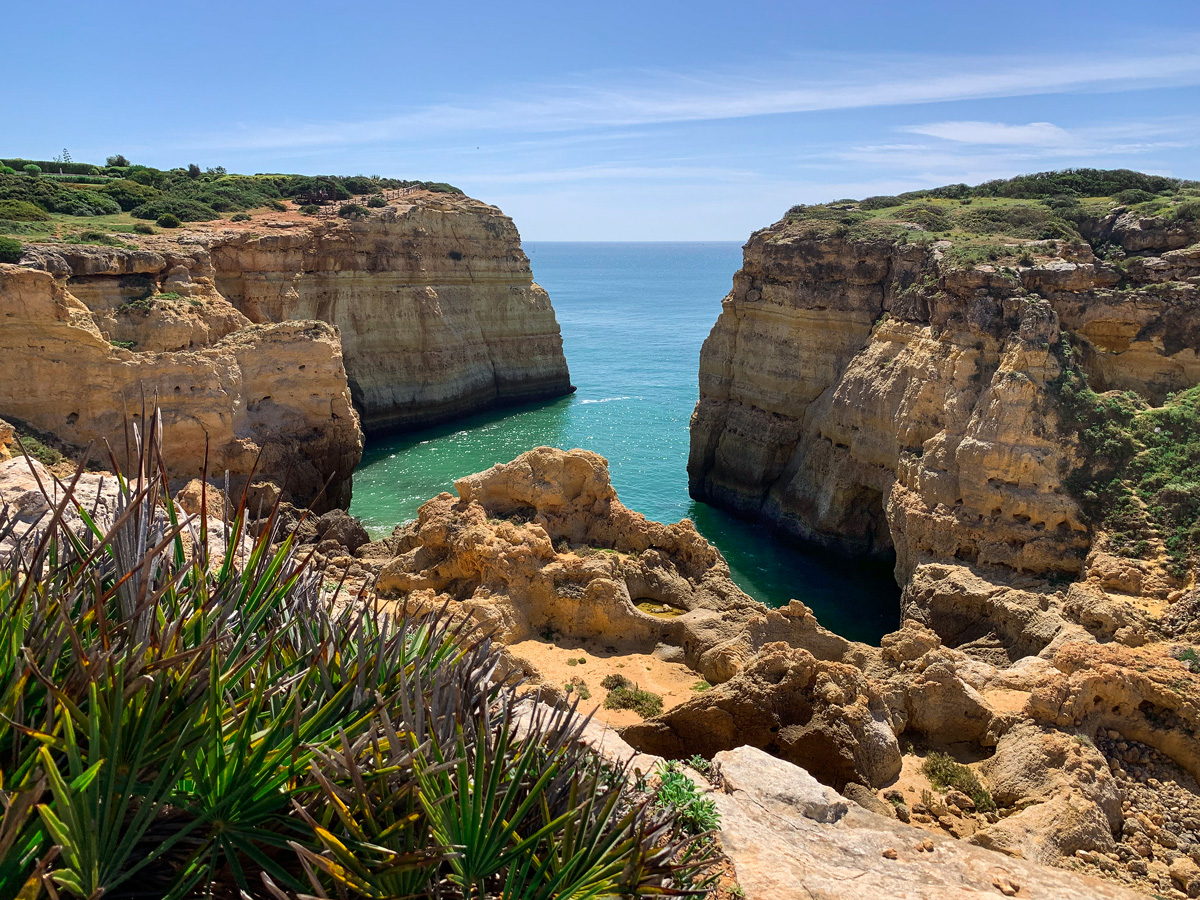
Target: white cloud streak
659,98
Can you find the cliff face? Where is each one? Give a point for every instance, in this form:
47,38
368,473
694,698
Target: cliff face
270,399
871,394
262,334
438,312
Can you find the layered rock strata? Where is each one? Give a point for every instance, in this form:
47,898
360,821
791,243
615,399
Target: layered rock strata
263,338
437,308
872,394
233,396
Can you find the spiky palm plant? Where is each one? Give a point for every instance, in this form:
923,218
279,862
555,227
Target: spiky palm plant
177,722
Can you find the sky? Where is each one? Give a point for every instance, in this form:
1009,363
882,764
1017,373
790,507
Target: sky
614,121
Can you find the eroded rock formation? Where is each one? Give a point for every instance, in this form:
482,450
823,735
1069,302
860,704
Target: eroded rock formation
1062,723
438,311
872,394
264,337
270,399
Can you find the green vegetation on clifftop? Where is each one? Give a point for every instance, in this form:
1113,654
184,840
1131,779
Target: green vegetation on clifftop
980,219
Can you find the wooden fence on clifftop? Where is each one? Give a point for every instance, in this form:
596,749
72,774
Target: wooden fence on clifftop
331,208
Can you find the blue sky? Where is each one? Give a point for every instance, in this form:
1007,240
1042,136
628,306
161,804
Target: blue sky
614,121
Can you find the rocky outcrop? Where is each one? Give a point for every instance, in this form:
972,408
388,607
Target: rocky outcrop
874,395
822,716
265,399
1024,681
438,312
262,338
543,542
790,837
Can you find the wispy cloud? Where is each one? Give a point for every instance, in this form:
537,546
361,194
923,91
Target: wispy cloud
650,98
605,172
1035,133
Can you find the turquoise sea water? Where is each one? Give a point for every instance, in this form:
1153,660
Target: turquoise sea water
633,318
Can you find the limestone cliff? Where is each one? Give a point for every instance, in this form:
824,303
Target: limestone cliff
433,310
434,299
270,399
870,392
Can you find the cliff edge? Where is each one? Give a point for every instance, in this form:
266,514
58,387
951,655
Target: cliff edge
963,377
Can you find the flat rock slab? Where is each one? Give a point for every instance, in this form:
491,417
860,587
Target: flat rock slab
791,837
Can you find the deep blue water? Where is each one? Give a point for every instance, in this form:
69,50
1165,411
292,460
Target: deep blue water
633,317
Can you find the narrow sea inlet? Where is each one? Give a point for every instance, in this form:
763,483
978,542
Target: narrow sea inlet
633,317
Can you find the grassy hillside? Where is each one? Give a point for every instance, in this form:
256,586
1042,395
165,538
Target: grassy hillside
989,222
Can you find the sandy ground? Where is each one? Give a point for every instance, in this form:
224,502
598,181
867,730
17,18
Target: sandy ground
560,662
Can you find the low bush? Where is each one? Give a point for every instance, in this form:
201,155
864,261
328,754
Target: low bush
142,228
676,792
130,194
945,773
309,209
10,250
615,681
376,202
645,703
1132,196
353,211
22,211
928,216
1188,211
578,687
31,170
240,217
117,159
879,202
168,220
53,197
184,210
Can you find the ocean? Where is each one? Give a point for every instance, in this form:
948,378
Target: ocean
633,317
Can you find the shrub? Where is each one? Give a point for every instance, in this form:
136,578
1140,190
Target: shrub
579,688
309,209
678,793
240,217
1133,195
32,171
644,703
353,211
1188,211
945,773
130,194
1019,220
142,228
276,205
168,220
242,728
376,202
615,681
879,202
10,250
184,210
117,159
7,170
22,211
929,217
56,198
